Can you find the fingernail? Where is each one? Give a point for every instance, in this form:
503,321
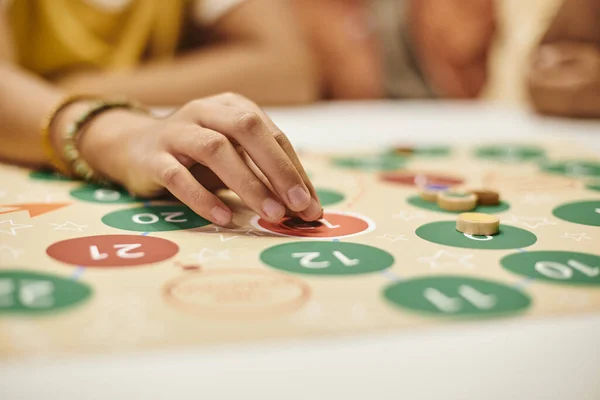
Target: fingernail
298,197
273,209
314,211
221,215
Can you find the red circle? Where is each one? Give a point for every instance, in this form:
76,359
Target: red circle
112,250
330,226
420,179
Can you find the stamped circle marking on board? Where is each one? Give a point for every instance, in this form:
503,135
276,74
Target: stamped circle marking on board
237,293
420,179
327,258
562,267
456,296
417,201
445,233
26,292
510,153
334,224
580,212
112,250
159,218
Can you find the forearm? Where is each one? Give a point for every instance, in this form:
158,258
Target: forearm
266,75
24,102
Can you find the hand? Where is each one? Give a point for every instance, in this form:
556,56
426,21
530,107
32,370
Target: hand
564,79
229,142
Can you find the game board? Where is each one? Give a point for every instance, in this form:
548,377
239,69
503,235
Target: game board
91,270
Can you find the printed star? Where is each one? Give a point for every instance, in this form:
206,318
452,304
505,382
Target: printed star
575,236
531,222
69,226
536,199
206,254
409,215
392,238
12,226
15,253
443,259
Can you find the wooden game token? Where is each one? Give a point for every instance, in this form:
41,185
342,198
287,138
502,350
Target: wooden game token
486,197
404,150
453,200
474,223
430,192
299,223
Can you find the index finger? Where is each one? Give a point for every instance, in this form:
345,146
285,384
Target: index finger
280,137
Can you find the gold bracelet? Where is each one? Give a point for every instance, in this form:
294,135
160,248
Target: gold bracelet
56,162
72,137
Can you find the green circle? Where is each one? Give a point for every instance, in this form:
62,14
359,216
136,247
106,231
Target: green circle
458,296
580,212
378,162
417,201
47,175
98,194
326,258
155,219
510,153
573,168
24,292
329,197
593,186
565,267
424,151
445,233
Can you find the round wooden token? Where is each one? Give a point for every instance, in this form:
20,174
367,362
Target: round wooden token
457,200
404,150
486,197
429,195
477,224
430,192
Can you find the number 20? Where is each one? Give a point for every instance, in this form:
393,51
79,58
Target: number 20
149,218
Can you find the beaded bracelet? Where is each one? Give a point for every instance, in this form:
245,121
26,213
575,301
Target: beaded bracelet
74,133
55,161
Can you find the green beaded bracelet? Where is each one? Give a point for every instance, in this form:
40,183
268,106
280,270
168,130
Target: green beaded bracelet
78,165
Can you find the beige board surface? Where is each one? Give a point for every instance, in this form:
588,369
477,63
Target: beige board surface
385,261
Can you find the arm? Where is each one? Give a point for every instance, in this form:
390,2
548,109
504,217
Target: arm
261,56
148,155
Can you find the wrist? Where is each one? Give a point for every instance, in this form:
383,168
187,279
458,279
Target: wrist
102,142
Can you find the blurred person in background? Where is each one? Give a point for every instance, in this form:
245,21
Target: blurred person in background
374,49
564,74
371,49
162,52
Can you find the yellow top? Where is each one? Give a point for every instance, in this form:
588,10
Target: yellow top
53,37
477,217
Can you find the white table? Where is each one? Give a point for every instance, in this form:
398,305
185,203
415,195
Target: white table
535,359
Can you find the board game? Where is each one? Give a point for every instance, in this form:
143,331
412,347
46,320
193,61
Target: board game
89,270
